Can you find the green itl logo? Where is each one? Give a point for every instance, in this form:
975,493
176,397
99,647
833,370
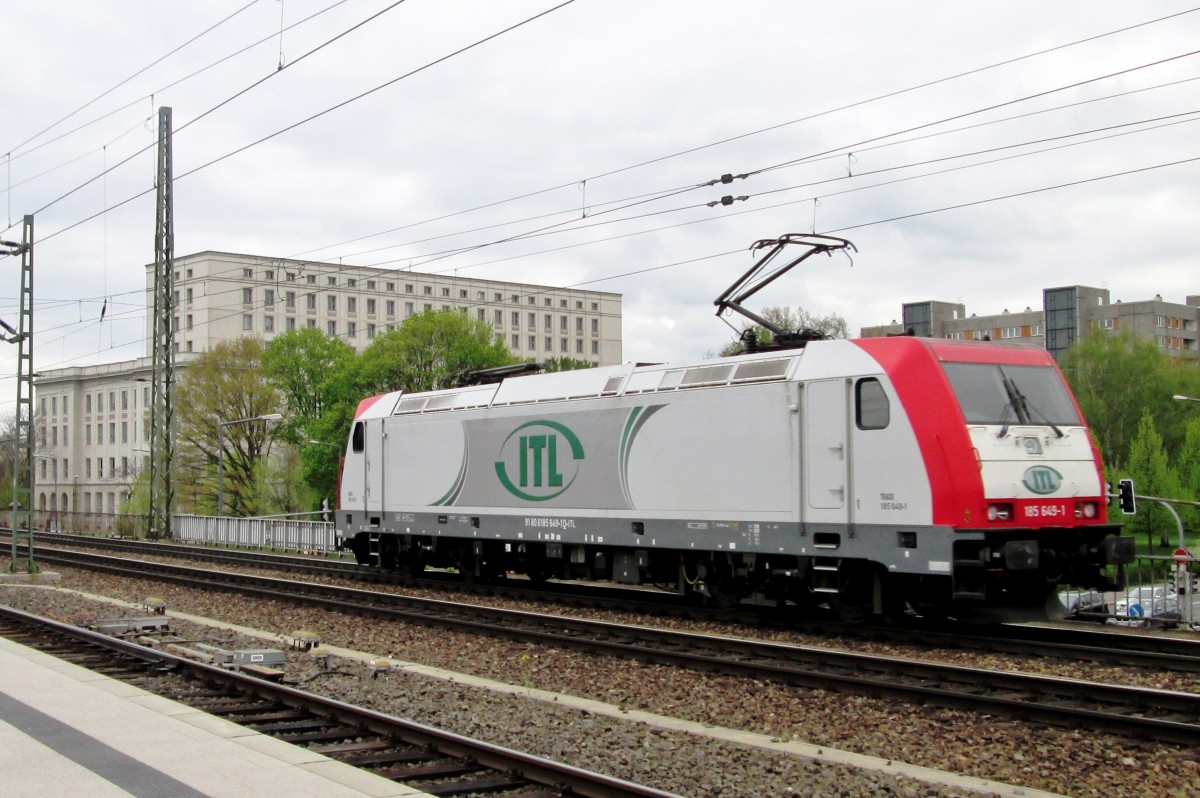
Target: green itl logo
1042,479
539,459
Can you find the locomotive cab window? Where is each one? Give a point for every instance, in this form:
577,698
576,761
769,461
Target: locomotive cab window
358,437
871,407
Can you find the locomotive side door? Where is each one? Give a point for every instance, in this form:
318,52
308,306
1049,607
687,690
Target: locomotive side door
373,465
825,455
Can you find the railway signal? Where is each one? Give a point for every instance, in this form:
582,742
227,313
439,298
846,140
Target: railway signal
1125,498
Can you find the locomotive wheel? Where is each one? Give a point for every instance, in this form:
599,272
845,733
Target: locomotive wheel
855,599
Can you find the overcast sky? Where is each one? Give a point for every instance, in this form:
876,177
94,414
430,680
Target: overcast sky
963,164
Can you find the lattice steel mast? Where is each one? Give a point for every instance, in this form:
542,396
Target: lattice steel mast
22,336
162,401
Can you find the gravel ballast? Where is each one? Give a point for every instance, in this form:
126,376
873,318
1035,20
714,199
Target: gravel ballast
1057,760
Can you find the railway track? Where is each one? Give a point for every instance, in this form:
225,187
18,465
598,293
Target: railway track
1145,713
1088,643
434,761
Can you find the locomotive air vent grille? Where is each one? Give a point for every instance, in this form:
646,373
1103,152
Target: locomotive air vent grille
414,405
612,386
706,375
761,370
444,402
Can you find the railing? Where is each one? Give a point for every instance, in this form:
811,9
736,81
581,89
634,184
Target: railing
287,534
275,533
1160,592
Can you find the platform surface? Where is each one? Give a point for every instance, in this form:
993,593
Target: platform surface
65,731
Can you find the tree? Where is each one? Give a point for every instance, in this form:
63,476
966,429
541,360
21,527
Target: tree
1117,379
227,383
1153,476
313,372
430,351
785,318
1187,466
554,364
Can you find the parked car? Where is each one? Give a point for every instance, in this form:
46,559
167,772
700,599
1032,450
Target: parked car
1147,605
1085,604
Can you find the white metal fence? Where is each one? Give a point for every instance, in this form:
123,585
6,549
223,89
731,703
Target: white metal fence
285,534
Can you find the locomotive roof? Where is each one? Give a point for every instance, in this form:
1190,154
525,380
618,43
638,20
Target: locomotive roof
630,378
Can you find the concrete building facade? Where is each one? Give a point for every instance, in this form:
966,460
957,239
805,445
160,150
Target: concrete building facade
1066,315
92,422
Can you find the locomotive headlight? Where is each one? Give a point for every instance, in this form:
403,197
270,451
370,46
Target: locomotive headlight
999,512
1086,510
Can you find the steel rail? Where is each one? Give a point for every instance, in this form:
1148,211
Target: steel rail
349,721
1085,642
1157,714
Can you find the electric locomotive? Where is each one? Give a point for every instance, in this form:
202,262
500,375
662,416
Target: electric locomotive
868,475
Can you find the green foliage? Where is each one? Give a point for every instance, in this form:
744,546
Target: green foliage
1153,475
430,351
792,320
313,372
565,364
227,383
1116,380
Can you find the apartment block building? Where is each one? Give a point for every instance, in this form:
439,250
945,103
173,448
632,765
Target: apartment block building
1065,316
92,422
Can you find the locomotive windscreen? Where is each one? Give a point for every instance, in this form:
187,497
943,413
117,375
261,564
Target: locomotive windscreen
990,393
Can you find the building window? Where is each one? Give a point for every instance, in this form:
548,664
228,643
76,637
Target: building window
247,272
595,347
532,343
269,275
99,468
311,324
310,302
112,400
516,341
351,329
427,290
549,347
532,321
1037,329
445,291
311,279
268,324
247,322
247,296
499,318
391,286
370,285
516,319
390,307
269,298
579,324
124,432
290,300
189,321
87,434
408,289
331,328
331,303
462,293
331,281
370,307
1010,332
87,403
124,400
370,330
595,326
290,324
189,296
87,467
408,309
563,347
579,346
351,304
351,282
